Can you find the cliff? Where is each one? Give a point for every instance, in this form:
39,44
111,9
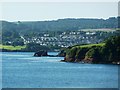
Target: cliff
108,52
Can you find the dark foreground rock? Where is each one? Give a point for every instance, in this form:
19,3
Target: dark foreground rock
41,53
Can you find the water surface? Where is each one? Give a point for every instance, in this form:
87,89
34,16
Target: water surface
22,70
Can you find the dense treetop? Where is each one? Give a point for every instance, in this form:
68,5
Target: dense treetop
59,25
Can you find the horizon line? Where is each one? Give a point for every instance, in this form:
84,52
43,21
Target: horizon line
61,19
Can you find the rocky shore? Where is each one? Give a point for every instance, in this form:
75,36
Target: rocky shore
45,53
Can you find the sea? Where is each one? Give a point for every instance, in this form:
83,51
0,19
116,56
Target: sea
23,70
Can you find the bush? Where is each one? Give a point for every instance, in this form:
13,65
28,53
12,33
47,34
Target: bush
72,52
35,47
111,50
95,54
108,53
81,53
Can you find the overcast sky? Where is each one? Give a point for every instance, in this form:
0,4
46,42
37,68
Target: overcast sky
37,11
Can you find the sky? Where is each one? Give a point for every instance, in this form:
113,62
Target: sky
40,11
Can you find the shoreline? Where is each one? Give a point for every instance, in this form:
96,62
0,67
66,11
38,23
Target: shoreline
82,62
6,50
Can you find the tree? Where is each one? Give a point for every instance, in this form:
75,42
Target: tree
111,50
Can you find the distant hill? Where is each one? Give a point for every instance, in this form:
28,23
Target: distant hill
13,31
59,25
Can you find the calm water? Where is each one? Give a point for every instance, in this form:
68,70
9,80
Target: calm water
22,70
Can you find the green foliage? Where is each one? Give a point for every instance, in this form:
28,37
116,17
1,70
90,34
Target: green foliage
91,45
109,52
9,47
11,37
72,52
35,47
95,54
60,24
17,42
13,30
80,54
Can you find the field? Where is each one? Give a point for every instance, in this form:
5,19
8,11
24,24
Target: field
103,30
9,47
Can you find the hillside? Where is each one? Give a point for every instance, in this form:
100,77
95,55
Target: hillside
108,52
59,25
62,31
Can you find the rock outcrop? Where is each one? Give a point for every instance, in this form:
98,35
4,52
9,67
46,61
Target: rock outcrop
107,53
41,53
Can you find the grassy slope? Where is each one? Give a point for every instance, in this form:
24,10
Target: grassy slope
86,46
83,52
108,52
90,45
9,47
67,50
